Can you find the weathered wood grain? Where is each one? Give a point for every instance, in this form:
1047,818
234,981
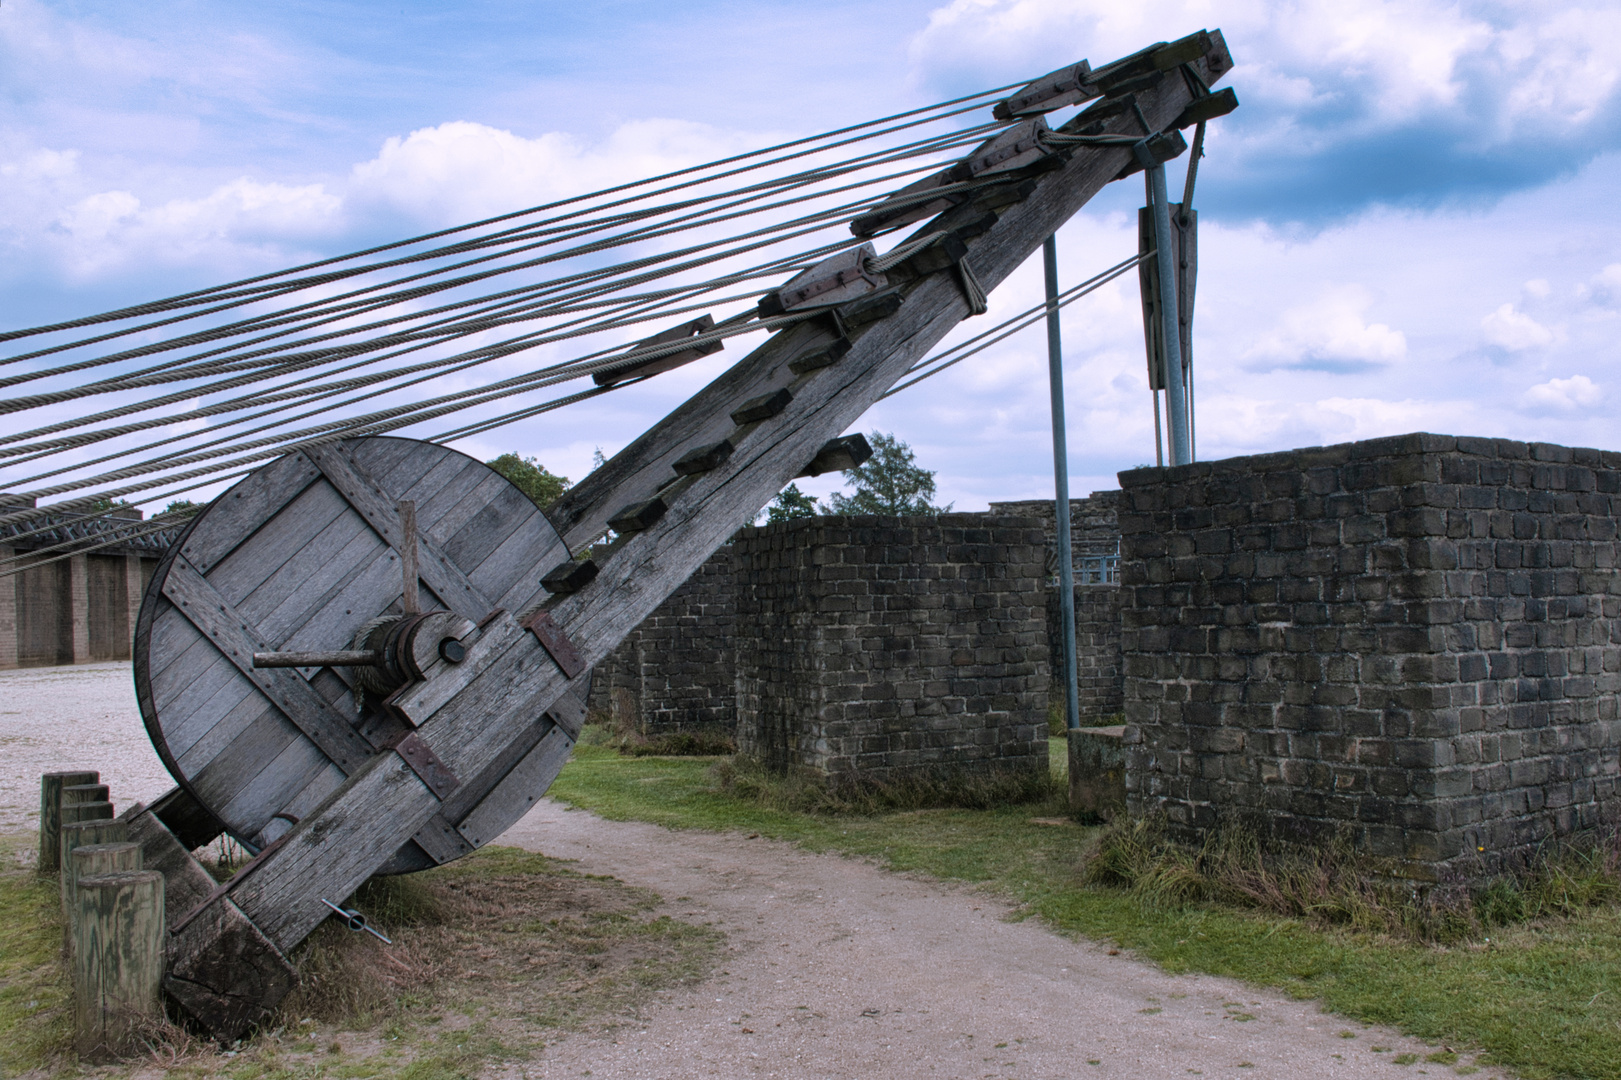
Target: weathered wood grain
118,962
209,612
518,790
50,814
185,883
248,504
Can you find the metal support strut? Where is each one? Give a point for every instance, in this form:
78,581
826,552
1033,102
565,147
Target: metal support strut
1066,555
1176,402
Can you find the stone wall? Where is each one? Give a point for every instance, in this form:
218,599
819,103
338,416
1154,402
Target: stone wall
677,670
1100,675
889,647
1094,537
1414,638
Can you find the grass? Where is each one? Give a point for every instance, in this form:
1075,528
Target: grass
492,955
1539,997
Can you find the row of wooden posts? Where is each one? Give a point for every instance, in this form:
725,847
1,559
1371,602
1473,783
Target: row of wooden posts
114,914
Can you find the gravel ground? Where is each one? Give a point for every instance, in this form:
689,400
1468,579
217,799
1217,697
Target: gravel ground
81,717
839,969
834,969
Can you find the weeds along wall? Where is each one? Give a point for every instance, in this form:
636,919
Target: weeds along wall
1414,638
888,648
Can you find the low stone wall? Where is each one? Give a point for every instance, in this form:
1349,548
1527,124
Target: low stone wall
886,647
677,670
1415,638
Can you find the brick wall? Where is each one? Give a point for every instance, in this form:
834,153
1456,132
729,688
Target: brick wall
883,647
1415,638
676,671
1099,667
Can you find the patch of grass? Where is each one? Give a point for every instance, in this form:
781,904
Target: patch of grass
1538,997
36,998
492,955
746,782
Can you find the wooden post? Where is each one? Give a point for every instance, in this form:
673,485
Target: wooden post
82,793
77,834
73,813
94,860
50,814
118,957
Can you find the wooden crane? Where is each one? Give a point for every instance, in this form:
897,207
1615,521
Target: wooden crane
371,656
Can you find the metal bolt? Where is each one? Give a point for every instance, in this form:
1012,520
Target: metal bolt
452,651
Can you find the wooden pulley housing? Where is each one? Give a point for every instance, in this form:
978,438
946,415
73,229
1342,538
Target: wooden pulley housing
279,626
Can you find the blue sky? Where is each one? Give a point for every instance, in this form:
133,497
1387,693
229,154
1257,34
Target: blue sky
1409,224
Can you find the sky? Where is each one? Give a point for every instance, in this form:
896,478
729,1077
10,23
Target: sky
1409,223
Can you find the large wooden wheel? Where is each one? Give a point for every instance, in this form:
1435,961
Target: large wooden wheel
304,555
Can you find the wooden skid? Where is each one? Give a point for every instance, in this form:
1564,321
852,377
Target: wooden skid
505,698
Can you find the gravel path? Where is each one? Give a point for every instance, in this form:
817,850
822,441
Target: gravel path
839,969
82,717
834,967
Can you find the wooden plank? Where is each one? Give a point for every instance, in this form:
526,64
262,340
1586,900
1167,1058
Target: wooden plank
518,790
477,526
216,722
308,572
444,577
171,641
383,803
225,973
257,558
508,574
186,883
466,487
183,701
298,608
283,777
334,622
380,454
242,508
241,763
209,612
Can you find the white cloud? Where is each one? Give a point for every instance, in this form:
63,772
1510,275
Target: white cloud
1330,330
1513,330
112,231
1605,288
1576,392
460,171
1539,63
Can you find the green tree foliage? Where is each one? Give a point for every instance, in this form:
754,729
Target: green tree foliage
889,483
791,503
531,478
183,506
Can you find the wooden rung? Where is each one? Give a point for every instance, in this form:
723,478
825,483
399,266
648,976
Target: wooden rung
817,359
1208,107
638,516
664,363
836,455
702,459
871,309
571,576
763,407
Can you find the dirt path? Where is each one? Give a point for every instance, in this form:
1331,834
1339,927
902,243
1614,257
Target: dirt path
839,969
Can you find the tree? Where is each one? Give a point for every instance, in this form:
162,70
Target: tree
888,483
183,506
791,503
531,478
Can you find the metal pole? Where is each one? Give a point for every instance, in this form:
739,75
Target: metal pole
1066,554
1176,402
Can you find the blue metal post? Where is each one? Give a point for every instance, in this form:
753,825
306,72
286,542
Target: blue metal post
1066,557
